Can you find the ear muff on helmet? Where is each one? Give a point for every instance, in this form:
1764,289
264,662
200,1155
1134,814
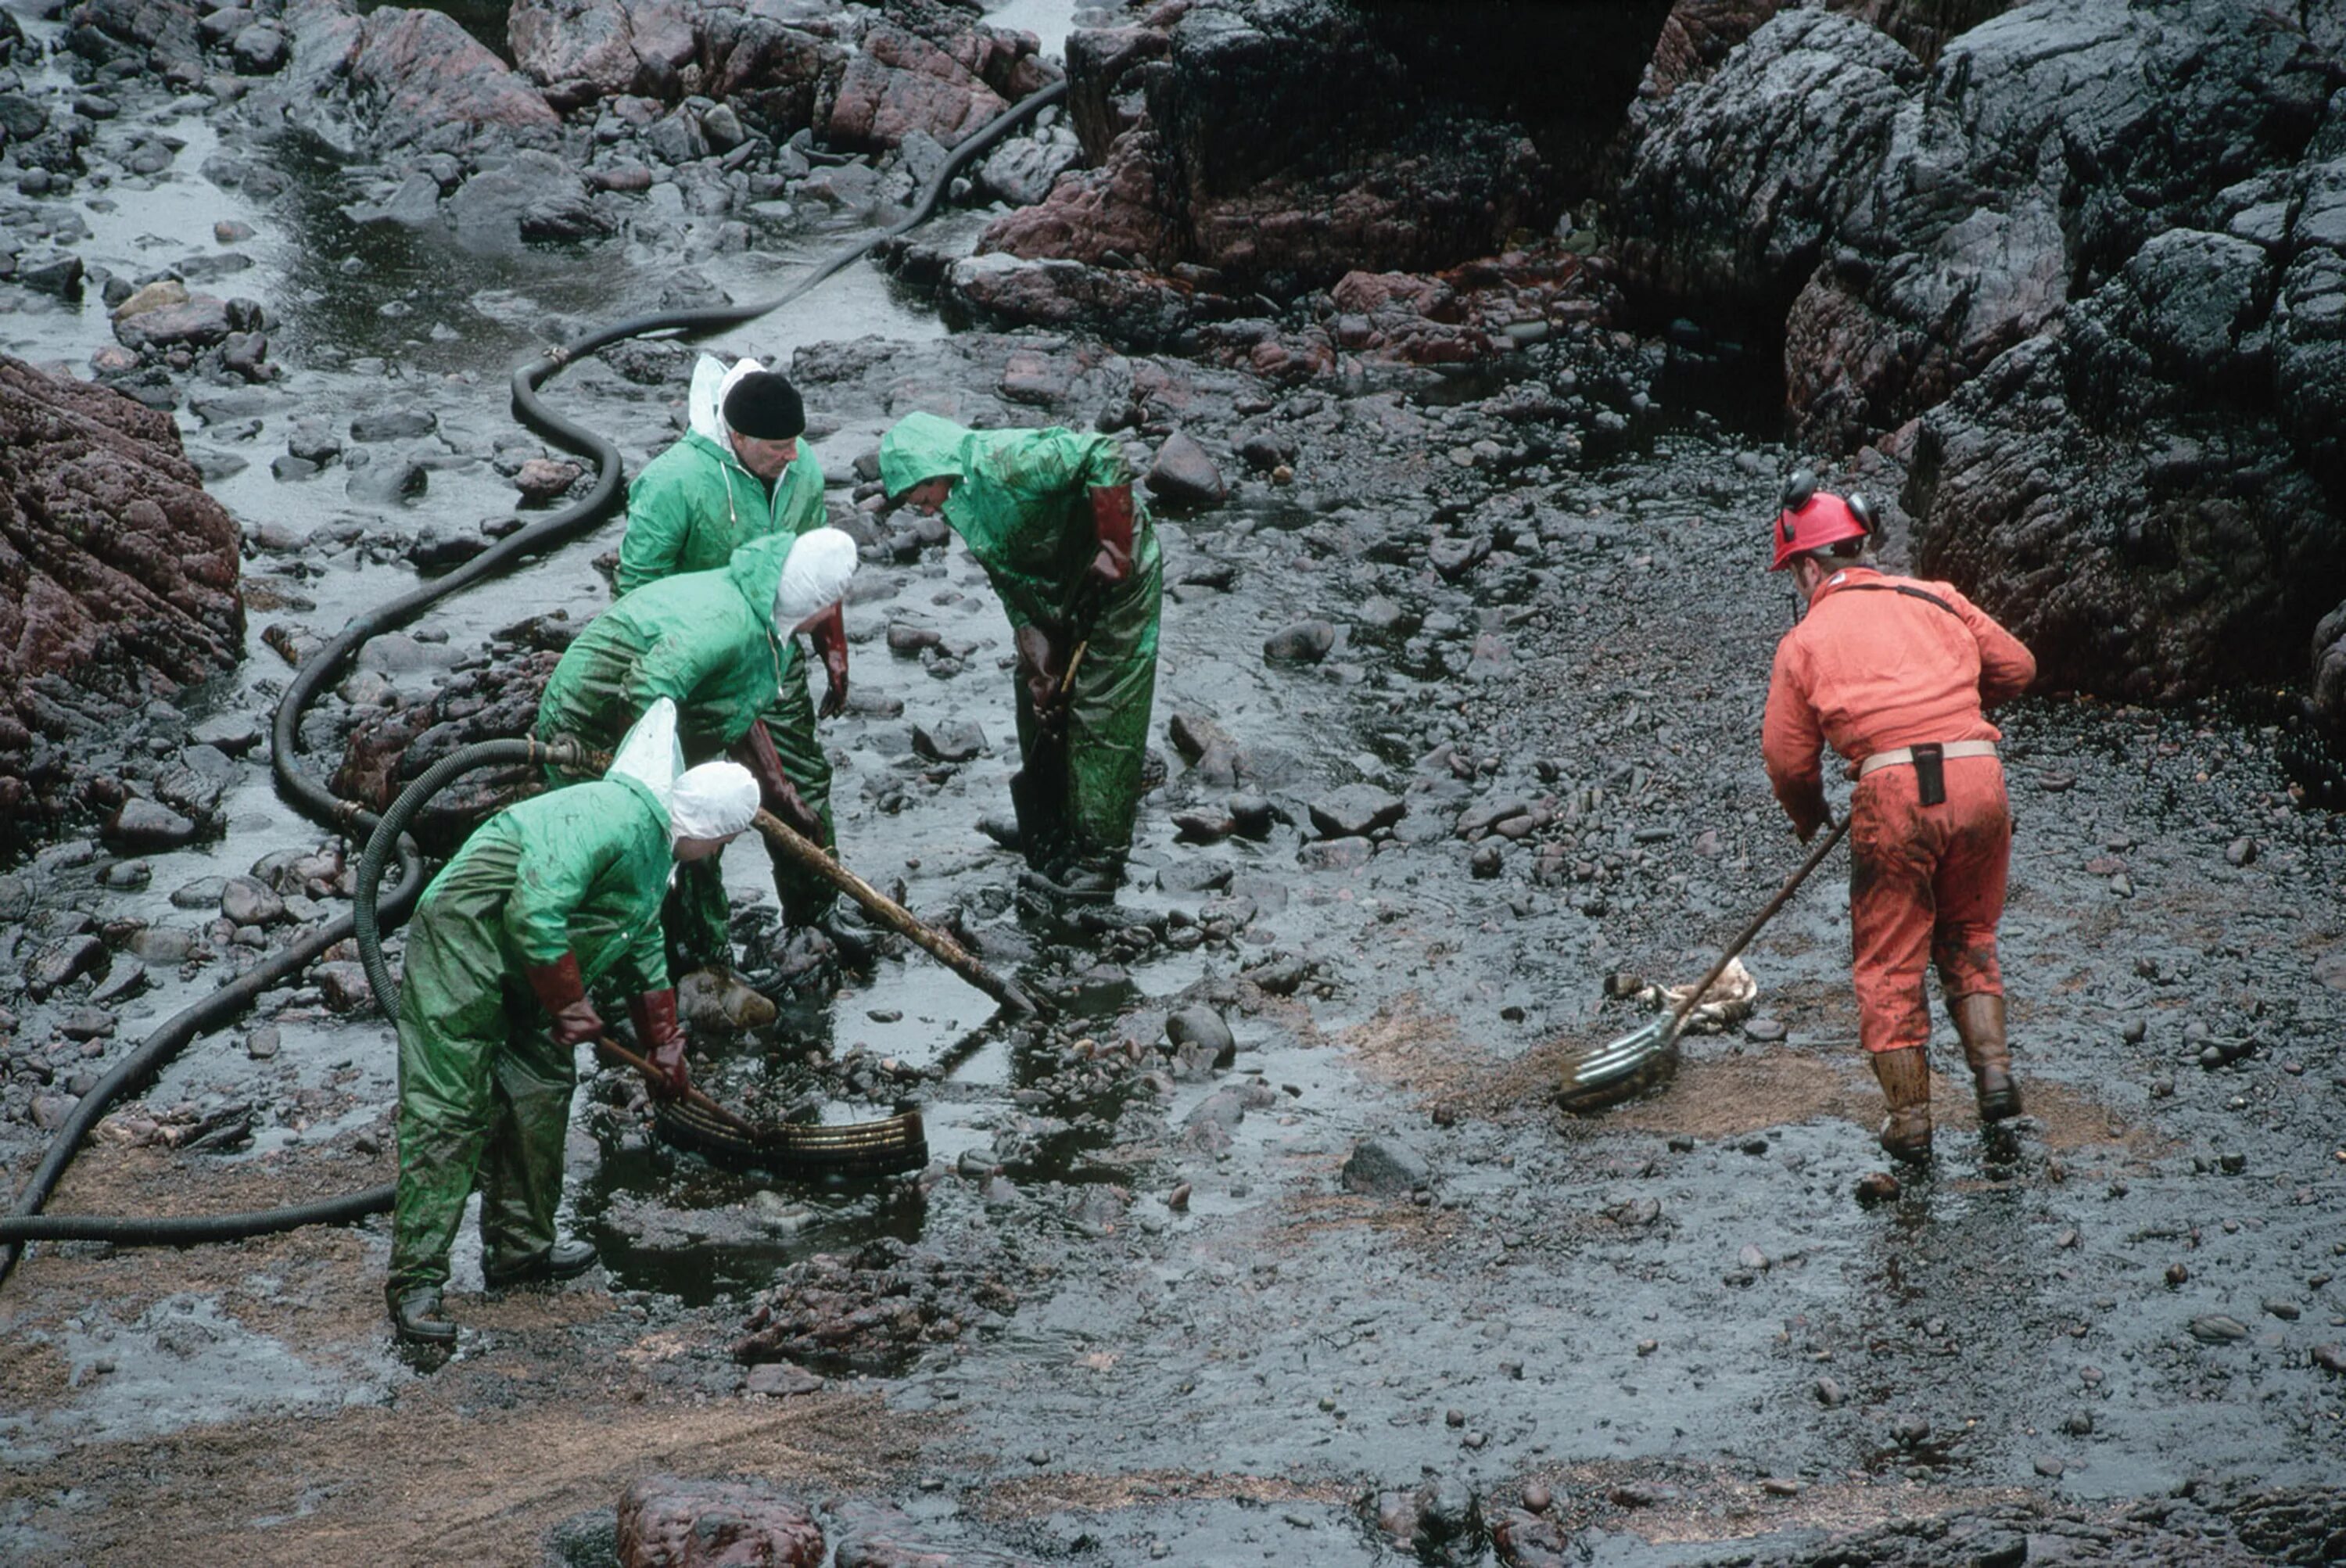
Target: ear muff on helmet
1812,519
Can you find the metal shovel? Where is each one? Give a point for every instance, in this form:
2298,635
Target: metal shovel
1649,1054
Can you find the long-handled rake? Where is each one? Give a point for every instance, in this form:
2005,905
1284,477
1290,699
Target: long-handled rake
1648,1054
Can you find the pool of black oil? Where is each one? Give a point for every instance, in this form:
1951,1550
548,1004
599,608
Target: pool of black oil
706,1218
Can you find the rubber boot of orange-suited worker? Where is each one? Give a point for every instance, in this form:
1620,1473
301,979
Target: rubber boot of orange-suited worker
1905,1077
1979,1021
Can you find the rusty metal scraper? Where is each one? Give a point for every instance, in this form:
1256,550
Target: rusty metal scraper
1648,1055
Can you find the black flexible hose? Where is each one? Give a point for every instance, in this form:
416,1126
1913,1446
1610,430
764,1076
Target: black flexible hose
366,925
194,1230
316,801
158,1048
368,917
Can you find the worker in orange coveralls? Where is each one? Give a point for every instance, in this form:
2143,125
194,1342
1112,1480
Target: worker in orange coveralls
1895,674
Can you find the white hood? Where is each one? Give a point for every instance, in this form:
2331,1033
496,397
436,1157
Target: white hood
711,380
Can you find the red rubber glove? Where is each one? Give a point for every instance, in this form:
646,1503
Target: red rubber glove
1112,524
654,1014
560,990
829,635
1038,667
756,752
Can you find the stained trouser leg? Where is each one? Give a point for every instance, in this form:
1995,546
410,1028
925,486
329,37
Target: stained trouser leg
1893,858
521,1173
806,896
1107,721
445,1112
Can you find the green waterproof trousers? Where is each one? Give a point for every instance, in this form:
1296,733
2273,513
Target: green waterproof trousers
485,1102
696,908
1084,788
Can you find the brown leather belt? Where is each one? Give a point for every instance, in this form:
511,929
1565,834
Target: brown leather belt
1904,755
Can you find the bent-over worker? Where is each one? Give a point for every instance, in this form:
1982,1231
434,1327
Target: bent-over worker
1051,516
545,898
739,474
720,645
1895,675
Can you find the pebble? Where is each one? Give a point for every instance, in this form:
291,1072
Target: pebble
163,945
953,741
2050,1467
205,892
2215,1329
262,1044
1829,1393
1386,1167
780,1380
1184,475
1876,1187
123,980
1356,810
1304,642
248,901
97,1024
1200,1025
149,825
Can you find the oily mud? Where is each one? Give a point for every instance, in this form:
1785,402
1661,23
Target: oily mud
1271,1244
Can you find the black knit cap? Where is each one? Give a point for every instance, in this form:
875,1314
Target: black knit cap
765,407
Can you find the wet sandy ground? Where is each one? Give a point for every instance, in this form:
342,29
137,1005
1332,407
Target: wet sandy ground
1674,1316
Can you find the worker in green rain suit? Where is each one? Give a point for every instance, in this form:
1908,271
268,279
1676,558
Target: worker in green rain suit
720,645
1050,514
739,473
545,899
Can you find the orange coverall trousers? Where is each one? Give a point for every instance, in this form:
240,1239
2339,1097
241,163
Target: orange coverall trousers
1926,884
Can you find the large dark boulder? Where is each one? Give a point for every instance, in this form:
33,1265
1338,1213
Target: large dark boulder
2087,273
864,79
118,574
397,79
2151,552
1284,143
1911,224
155,34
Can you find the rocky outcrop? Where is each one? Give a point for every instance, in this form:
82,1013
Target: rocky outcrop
864,79
160,35
2090,262
1284,144
665,1522
2141,545
397,79
118,574
1283,185
1916,223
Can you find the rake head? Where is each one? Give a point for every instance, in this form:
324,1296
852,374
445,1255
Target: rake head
1638,1060
889,1146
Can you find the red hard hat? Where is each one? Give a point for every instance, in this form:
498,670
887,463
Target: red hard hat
1819,520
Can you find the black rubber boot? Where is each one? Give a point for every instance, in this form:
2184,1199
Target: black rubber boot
1905,1078
563,1261
415,1317
1979,1020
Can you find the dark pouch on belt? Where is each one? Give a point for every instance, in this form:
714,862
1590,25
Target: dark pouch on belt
1931,775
